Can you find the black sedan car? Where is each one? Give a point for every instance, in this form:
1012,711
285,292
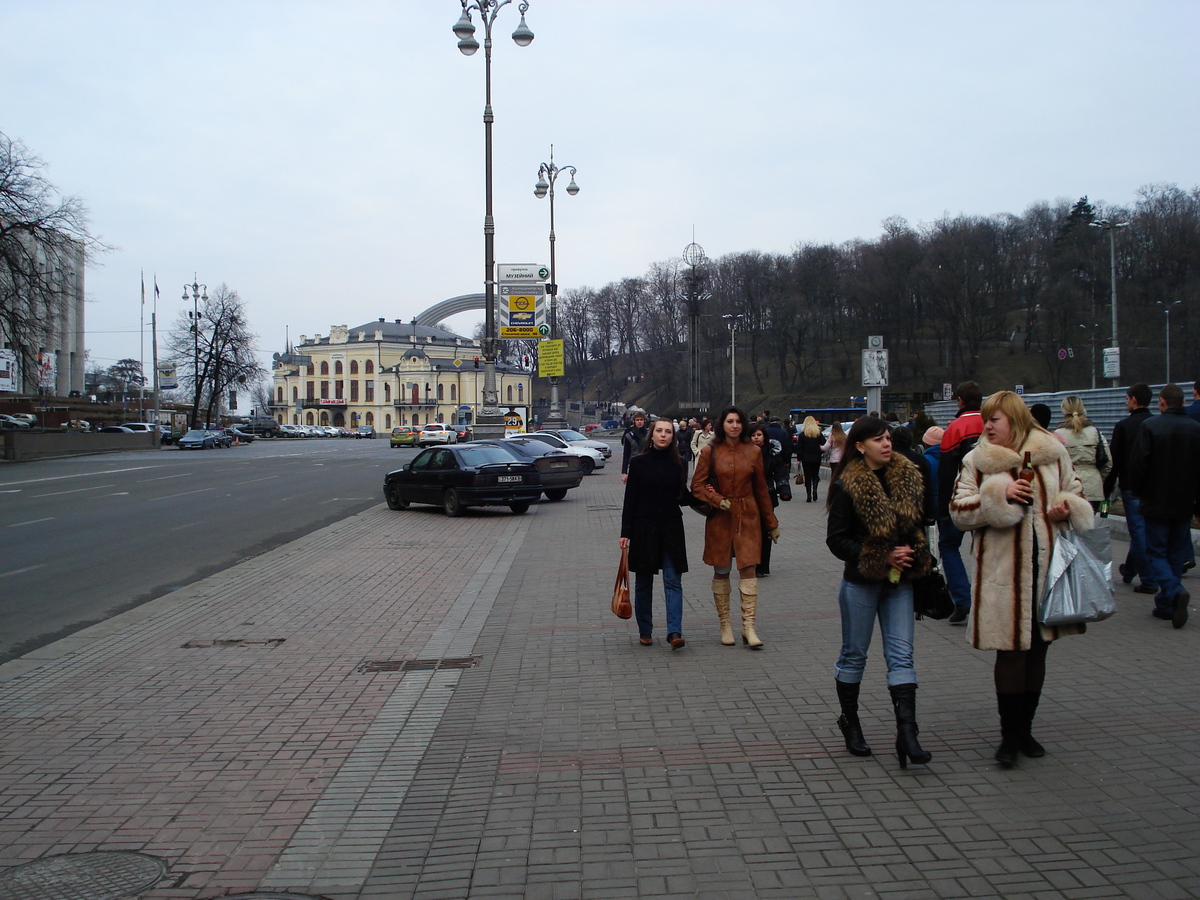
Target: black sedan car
462,475
559,470
197,439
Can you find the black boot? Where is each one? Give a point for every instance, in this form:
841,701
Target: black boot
1012,718
1029,745
851,729
904,699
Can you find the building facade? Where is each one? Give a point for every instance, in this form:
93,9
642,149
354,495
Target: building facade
386,374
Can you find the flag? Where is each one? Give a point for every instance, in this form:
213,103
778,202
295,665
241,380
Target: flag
155,287
143,287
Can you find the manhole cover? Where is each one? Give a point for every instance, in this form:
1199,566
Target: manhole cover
104,875
271,895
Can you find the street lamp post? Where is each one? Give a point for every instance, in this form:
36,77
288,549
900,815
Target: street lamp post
547,175
732,320
1111,227
490,422
198,292
1167,307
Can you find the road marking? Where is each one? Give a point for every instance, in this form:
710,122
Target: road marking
72,491
77,475
162,478
184,494
19,571
32,522
252,480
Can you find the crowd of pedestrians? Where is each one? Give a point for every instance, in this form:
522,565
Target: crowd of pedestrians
996,471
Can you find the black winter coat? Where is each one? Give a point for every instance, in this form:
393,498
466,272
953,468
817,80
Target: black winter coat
1124,436
651,517
1163,467
808,449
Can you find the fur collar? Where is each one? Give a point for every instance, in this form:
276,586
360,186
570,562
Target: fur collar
891,518
1044,449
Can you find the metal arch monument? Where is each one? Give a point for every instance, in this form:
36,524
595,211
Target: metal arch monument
453,306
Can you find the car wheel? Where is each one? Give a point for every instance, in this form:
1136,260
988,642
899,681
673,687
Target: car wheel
556,494
451,503
587,465
394,500
520,507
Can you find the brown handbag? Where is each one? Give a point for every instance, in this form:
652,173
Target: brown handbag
799,478
621,606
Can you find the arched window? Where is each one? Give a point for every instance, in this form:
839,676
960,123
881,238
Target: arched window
308,419
441,392
279,395
520,392
354,367
337,367
295,395
510,399
387,392
370,418
441,418
453,393
324,367
324,418
416,420
387,421
370,366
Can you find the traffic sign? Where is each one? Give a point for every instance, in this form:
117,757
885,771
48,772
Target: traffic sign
510,273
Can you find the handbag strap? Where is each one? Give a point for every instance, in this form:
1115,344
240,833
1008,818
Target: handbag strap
622,570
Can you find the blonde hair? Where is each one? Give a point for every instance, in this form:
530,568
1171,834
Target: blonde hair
1019,417
811,428
1074,414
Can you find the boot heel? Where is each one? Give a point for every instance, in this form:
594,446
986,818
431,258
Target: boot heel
901,754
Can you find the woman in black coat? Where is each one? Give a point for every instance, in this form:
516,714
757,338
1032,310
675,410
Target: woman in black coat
809,448
758,437
652,530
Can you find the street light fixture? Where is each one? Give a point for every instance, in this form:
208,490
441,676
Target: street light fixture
547,175
490,422
198,292
1111,227
1167,307
732,320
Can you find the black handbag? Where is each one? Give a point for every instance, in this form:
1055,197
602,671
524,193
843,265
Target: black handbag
700,506
931,596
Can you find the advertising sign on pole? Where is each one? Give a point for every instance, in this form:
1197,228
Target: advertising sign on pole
550,359
1112,362
874,368
522,310
168,379
8,370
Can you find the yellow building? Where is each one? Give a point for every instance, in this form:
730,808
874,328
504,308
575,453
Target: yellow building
385,374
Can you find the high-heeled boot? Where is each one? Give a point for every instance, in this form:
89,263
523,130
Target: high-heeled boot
721,591
847,695
748,588
1029,744
1012,723
904,699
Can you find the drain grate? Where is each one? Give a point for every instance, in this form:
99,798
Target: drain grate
417,665
102,875
232,642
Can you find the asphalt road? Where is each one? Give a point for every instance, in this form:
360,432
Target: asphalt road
85,538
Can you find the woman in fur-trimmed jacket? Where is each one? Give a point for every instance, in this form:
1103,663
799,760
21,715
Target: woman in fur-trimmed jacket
876,526
1015,525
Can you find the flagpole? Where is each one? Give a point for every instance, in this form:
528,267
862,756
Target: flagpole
154,346
142,352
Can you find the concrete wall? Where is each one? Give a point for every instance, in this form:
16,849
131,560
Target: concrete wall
20,445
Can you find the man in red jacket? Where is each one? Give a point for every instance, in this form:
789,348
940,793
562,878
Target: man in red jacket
961,436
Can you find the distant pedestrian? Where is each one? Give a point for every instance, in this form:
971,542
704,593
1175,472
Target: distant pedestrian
652,531
1042,415
1125,432
703,437
1165,475
959,439
633,441
781,474
683,439
876,527
932,441
1087,448
837,444
738,491
810,447
758,437
1015,524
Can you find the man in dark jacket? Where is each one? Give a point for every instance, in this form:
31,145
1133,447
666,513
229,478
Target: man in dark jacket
1194,409
1137,401
1164,473
632,442
960,438
783,459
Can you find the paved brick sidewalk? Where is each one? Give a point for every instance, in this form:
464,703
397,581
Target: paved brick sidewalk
570,761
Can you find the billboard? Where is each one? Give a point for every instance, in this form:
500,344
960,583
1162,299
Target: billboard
8,371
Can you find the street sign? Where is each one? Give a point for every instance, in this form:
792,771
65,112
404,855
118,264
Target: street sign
875,368
947,391
550,359
1020,389
515,273
1112,362
522,310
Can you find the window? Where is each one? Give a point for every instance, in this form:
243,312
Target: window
370,417
441,392
510,399
387,393
416,420
309,371
370,392
387,421
354,367
369,369
354,391
453,393
441,418
309,395
339,390
325,391
308,419
279,395
337,367
324,368
296,393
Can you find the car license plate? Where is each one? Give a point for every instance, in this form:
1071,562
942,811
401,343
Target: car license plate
510,479
560,465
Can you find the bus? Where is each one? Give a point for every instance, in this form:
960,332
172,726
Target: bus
827,415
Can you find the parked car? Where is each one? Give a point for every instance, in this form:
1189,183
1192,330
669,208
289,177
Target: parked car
291,431
571,436
364,431
403,436
589,459
436,433
141,427
222,437
461,476
28,417
236,432
116,429
196,439
590,427
12,422
462,432
560,470
610,425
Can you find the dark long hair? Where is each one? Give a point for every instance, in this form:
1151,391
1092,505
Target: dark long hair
719,425
863,429
672,449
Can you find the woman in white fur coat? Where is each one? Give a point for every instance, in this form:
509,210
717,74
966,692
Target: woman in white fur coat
1015,525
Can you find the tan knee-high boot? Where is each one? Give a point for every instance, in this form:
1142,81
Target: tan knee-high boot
748,588
721,591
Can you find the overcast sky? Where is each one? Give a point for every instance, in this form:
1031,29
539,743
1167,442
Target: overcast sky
325,159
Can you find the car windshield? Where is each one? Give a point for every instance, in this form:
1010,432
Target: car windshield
571,435
196,433
483,454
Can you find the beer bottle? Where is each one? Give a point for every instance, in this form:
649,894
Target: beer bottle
1026,473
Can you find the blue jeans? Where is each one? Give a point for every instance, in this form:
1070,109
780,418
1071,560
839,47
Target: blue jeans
1168,547
860,605
1137,536
643,592
950,551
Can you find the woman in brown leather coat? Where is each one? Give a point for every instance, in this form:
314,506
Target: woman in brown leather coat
729,477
